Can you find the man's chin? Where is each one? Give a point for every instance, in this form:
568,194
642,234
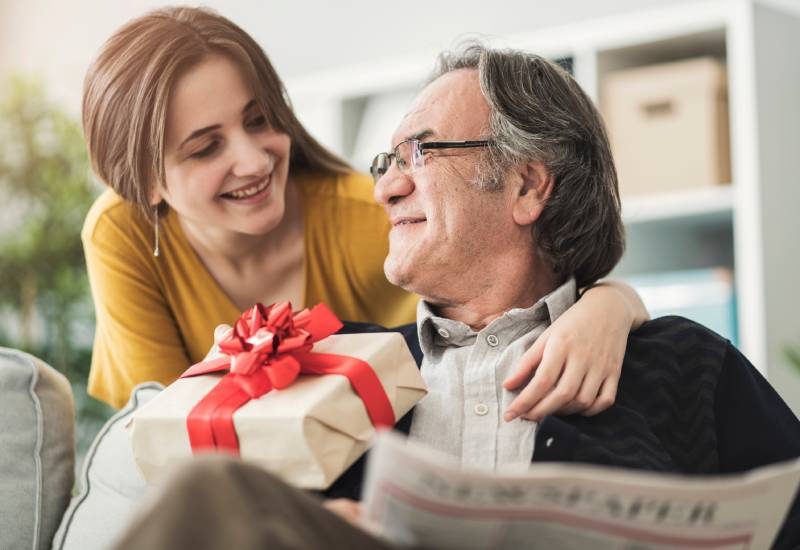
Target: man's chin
398,273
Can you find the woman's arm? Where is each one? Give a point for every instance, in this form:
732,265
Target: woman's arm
136,337
575,365
633,301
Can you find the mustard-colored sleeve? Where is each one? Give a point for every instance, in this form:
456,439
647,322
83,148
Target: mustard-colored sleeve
368,245
136,339
351,239
364,240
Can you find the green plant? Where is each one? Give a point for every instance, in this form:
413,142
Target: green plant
793,354
47,189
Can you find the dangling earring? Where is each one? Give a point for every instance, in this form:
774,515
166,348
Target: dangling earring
155,225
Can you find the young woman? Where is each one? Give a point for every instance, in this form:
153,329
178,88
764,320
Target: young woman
220,198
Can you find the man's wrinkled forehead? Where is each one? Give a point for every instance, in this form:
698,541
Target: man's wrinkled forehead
416,123
452,107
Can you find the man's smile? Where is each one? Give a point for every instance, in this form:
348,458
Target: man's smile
406,220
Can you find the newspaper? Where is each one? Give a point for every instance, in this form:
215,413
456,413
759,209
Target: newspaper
416,496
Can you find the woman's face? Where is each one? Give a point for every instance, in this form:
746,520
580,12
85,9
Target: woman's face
226,168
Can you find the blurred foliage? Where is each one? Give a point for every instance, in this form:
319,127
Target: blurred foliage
47,189
793,354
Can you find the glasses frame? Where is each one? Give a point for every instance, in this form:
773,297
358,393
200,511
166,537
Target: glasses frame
417,147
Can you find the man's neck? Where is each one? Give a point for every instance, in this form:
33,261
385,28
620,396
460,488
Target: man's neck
490,302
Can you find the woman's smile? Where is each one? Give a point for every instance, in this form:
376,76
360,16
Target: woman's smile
251,193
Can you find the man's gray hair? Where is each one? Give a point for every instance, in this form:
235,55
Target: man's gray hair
539,113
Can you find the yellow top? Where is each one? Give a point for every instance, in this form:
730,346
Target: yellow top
156,315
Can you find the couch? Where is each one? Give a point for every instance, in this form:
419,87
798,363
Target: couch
41,506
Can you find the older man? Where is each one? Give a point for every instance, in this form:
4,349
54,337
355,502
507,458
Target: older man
503,198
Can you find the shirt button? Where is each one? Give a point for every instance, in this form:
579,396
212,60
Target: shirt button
549,442
492,340
481,409
444,333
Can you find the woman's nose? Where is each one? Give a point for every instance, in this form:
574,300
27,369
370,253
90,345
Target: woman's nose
250,157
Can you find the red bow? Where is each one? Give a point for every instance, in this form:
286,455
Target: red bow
267,349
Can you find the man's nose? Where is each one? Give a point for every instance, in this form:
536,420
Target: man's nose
392,186
249,157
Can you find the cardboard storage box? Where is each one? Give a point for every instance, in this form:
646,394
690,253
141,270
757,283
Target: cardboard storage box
668,125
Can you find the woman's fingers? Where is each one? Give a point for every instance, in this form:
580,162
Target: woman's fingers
564,391
544,380
606,397
221,332
527,364
587,394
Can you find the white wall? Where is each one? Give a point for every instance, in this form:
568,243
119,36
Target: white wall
58,39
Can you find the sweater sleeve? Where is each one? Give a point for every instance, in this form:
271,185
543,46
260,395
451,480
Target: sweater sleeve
755,427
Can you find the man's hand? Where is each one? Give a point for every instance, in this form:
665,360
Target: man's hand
576,363
347,509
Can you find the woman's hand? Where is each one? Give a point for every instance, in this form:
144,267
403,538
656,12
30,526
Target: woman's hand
576,363
220,333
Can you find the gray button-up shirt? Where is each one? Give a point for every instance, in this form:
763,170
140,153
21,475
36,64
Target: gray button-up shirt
462,415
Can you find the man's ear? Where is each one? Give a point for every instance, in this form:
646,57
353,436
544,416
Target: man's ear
536,187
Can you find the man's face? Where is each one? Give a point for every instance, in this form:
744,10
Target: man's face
446,232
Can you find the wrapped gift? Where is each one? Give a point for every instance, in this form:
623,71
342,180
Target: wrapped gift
284,394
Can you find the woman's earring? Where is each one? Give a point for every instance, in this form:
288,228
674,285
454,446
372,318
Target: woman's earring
155,248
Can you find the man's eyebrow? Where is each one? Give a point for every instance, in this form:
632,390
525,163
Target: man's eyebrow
422,134
207,129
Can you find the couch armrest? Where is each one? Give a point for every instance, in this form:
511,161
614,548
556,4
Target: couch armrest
37,450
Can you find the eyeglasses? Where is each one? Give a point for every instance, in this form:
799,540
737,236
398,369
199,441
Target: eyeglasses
408,155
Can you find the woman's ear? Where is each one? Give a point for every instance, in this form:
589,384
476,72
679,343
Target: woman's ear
155,195
534,191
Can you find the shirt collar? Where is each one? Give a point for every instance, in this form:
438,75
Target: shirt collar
435,331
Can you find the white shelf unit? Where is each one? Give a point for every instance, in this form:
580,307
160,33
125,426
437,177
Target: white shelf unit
749,226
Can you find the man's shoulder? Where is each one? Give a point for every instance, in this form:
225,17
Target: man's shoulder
674,352
679,333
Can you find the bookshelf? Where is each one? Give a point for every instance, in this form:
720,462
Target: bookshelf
749,226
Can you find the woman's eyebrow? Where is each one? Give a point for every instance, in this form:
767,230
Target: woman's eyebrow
207,129
198,133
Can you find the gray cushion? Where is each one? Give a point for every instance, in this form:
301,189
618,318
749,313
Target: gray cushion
111,485
37,450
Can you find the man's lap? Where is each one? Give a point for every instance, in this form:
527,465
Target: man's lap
223,502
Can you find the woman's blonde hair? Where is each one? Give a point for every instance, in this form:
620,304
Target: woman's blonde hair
127,89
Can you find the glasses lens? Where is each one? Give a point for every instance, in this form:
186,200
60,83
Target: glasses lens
380,165
416,153
402,155
409,155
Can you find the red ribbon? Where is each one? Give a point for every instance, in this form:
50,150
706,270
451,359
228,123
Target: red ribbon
267,349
